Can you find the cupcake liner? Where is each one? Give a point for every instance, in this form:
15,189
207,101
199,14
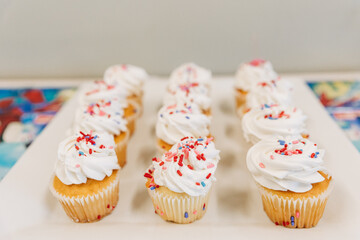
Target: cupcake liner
179,209
132,118
295,212
240,97
92,207
120,149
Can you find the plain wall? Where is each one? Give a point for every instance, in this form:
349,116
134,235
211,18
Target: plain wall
70,38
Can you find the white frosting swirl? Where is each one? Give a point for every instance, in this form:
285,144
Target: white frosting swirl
188,167
99,90
84,156
183,97
272,120
178,121
273,92
190,72
193,88
127,76
283,164
249,74
102,116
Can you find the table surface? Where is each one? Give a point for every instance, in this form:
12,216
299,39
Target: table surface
28,211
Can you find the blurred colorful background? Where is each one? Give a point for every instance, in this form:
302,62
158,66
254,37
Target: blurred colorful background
24,113
342,100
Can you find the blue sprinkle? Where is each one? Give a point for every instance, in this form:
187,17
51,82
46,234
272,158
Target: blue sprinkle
292,218
282,142
187,117
177,111
161,115
282,153
186,215
81,153
86,136
292,223
180,148
200,139
267,106
152,188
317,153
96,136
203,184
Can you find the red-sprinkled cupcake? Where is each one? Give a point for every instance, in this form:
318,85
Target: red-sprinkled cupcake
86,180
101,90
105,116
179,182
292,180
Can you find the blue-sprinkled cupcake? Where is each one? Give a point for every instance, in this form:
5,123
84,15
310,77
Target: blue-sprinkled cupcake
179,182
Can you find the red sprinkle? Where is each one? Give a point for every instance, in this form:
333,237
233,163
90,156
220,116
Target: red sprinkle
162,163
208,176
178,172
190,167
197,183
99,217
261,165
90,151
108,206
147,175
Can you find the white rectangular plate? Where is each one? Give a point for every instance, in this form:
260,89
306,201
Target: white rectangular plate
29,211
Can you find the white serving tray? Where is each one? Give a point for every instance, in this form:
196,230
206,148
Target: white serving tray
29,211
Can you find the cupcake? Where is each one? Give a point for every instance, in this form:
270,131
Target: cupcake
129,77
191,73
272,120
249,74
185,96
273,92
179,182
100,90
86,180
105,116
293,183
178,121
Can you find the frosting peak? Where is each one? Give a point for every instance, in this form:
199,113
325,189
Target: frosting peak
127,76
190,72
290,163
272,92
99,90
188,167
178,121
102,116
86,155
272,120
251,73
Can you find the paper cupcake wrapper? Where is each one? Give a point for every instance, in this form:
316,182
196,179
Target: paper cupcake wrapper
120,149
179,209
295,213
240,98
92,207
